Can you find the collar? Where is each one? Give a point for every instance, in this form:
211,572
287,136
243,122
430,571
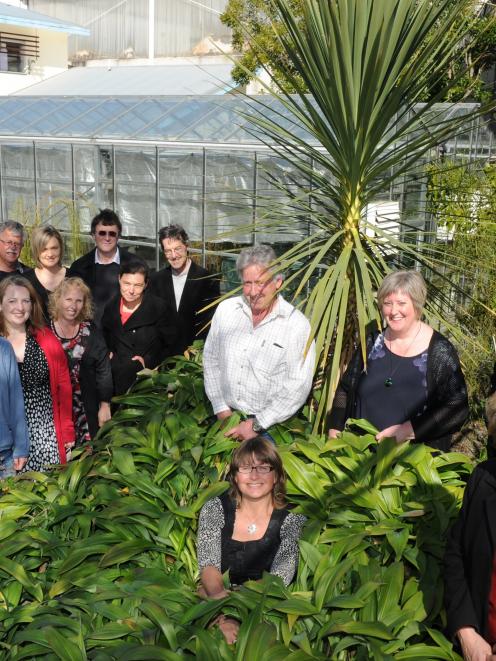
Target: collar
116,260
281,308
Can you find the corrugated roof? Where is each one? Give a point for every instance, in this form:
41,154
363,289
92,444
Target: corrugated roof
156,80
32,19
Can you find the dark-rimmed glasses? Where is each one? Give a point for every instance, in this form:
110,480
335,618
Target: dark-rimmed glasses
261,470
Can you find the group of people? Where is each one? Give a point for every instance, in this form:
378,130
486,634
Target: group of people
73,337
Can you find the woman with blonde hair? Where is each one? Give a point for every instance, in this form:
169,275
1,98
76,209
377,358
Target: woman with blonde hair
250,529
71,311
44,375
413,387
47,248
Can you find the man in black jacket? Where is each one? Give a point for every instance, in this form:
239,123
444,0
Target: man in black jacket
185,287
100,267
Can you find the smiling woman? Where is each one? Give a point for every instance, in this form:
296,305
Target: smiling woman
250,530
413,387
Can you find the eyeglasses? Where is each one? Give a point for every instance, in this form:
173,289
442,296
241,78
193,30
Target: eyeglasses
110,233
175,251
261,470
11,244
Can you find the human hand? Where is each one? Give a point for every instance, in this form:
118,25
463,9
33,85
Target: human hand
229,628
222,415
333,433
401,433
243,431
474,647
104,413
139,359
20,462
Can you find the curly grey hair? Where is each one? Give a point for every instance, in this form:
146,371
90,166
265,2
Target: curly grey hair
262,255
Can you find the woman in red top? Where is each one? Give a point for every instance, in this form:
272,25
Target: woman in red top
44,373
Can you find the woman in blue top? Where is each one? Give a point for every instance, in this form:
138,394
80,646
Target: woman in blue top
14,440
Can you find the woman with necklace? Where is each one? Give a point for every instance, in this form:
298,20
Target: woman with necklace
47,248
250,529
413,387
138,327
71,312
44,375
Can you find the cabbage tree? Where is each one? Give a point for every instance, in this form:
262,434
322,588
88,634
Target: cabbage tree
359,68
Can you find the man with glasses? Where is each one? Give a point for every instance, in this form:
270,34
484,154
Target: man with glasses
11,242
100,267
184,286
256,358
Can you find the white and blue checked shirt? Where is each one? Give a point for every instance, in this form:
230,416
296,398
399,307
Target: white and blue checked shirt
260,371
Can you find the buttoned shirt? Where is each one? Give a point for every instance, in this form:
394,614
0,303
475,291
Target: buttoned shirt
116,259
262,370
179,281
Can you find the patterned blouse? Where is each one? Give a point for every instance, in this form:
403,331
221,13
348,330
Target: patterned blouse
209,540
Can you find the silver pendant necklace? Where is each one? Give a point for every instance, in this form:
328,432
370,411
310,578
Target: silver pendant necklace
252,528
389,381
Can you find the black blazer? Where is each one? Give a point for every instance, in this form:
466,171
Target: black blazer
200,289
149,332
84,267
95,377
469,553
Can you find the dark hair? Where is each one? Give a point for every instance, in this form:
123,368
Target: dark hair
265,452
36,319
135,265
173,232
106,217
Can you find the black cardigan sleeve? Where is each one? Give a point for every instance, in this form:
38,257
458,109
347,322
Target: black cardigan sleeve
101,364
447,399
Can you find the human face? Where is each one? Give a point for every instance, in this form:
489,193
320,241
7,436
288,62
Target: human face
176,253
106,237
70,305
16,307
399,313
50,255
10,248
259,287
132,286
253,485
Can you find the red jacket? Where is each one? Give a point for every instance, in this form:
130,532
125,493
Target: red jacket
60,388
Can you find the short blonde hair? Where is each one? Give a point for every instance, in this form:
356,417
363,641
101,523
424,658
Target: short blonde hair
86,313
410,283
40,236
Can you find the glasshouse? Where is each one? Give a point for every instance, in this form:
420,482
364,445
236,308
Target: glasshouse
196,161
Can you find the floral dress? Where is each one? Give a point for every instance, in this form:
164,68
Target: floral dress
74,349
38,405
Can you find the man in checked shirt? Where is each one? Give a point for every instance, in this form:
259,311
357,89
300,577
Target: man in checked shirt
254,359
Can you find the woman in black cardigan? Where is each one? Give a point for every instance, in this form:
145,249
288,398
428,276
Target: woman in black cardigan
71,310
413,388
138,327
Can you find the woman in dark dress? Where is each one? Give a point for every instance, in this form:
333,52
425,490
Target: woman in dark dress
250,529
413,387
138,327
43,370
47,248
71,311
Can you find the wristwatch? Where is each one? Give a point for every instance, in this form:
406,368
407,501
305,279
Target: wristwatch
257,427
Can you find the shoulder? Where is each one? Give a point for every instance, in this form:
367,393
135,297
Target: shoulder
229,306
293,316
293,525
442,349
83,261
484,472
197,271
213,511
125,256
47,341
154,304
6,350
162,275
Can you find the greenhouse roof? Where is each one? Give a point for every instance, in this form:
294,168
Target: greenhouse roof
181,120
20,17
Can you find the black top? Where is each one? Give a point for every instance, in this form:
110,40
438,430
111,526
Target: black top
21,269
149,332
248,560
447,402
42,292
93,274
469,553
395,388
200,289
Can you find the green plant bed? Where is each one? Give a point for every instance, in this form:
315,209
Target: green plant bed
97,560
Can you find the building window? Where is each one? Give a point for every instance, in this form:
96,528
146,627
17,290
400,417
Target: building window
17,51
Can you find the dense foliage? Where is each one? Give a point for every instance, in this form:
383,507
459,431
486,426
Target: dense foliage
98,560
